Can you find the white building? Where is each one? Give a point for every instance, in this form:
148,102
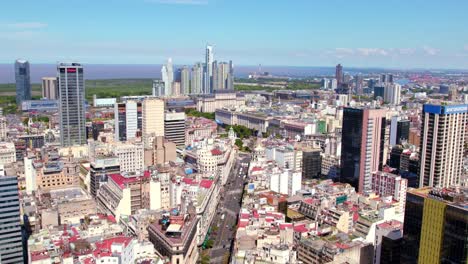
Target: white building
30,175
167,76
131,156
7,153
286,182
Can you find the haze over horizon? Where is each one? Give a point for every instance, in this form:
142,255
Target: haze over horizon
420,34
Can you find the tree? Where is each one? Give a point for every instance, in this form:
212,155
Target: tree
239,143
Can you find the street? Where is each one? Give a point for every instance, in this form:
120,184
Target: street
228,209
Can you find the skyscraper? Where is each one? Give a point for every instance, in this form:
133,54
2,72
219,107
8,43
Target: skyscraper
158,88
23,81
167,76
339,75
197,79
153,118
230,77
215,78
11,246
443,136
399,130
72,104
392,93
50,88
223,75
208,73
184,80
128,120
436,226
362,146
174,128
359,83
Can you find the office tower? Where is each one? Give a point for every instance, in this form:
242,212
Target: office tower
230,77
334,84
311,163
388,240
153,118
23,81
379,92
386,78
11,243
339,75
167,76
50,88
443,139
214,79
399,130
222,75
392,93
128,118
371,84
444,89
184,80
208,73
359,84
325,83
176,89
197,79
100,169
72,104
436,226
158,88
363,137
174,128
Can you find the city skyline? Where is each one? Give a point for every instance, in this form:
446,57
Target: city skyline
308,35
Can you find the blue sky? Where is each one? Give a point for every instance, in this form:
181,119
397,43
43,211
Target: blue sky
393,34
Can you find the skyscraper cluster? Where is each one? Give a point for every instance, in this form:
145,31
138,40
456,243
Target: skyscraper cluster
203,78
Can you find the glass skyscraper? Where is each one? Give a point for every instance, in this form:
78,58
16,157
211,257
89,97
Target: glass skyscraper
23,81
72,104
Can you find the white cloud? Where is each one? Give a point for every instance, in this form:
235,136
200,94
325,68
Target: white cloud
179,2
372,52
24,25
406,51
430,51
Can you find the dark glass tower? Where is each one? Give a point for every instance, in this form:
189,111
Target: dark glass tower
363,136
23,81
72,104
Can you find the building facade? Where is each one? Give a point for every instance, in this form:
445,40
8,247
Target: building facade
72,104
23,81
362,146
443,137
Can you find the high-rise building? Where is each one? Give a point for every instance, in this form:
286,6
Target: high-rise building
184,80
72,104
174,127
379,92
334,84
208,72
359,84
399,130
339,75
311,163
392,93
167,76
50,88
214,79
197,79
436,226
443,140
158,88
222,75
100,169
230,77
128,119
23,81
363,137
11,244
386,79
153,118
388,239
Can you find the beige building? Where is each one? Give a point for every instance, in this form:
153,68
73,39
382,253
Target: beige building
163,151
220,98
153,117
50,88
7,153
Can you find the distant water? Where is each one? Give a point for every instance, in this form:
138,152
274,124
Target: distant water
126,71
